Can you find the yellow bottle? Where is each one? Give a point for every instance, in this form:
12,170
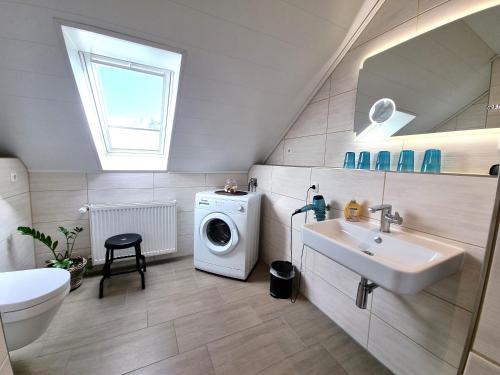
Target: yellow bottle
352,211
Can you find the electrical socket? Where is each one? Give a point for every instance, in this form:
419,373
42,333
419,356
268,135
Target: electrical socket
316,187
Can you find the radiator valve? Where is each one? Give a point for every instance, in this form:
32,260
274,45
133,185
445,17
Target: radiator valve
84,209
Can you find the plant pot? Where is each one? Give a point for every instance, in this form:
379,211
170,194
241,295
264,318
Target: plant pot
77,269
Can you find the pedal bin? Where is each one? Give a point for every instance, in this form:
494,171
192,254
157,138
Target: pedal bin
282,275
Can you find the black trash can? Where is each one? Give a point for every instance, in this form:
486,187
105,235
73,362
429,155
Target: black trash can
282,274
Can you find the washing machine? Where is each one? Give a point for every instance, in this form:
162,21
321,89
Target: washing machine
226,232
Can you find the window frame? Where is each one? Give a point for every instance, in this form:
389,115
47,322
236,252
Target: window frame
76,37
89,62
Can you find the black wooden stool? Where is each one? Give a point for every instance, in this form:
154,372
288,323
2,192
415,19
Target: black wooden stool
119,242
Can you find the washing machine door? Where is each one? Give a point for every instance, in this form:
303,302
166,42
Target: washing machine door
219,233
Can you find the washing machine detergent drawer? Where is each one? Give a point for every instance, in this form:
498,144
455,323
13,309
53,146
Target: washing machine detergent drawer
221,205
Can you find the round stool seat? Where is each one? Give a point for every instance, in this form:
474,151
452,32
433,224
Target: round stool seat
123,241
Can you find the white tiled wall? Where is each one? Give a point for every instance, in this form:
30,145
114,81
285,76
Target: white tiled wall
425,333
477,365
323,132
485,356
16,251
493,120
56,198
473,117
5,367
414,334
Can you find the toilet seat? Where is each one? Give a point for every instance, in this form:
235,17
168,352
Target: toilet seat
35,290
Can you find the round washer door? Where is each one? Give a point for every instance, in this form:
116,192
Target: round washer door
219,233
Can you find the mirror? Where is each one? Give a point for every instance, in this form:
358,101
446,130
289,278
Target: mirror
382,111
445,80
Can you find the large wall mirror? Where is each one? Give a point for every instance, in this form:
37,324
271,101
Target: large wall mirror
442,81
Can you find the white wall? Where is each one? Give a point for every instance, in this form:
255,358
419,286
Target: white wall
413,334
16,251
56,198
324,131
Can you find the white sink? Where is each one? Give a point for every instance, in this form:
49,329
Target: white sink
402,262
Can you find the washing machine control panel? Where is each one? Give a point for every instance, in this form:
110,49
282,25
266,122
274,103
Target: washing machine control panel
221,205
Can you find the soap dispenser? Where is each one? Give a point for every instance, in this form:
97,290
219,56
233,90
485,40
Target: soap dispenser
352,211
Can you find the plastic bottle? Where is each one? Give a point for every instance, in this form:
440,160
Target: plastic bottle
352,211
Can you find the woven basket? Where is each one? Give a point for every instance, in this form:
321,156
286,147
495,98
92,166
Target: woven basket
77,272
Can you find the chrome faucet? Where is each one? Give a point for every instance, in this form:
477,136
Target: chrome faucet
386,216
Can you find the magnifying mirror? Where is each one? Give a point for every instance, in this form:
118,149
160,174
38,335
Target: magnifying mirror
382,110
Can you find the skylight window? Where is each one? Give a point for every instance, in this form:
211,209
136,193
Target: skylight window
132,103
128,91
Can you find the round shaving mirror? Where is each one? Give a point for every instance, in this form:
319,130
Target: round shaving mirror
382,110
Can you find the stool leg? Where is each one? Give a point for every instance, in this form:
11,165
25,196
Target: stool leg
138,256
101,286
143,262
105,274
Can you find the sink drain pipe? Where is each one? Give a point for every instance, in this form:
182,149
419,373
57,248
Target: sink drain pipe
364,289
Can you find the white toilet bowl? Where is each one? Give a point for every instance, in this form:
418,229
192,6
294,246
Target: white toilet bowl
29,300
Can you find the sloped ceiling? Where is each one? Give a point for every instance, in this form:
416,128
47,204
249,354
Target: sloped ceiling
247,64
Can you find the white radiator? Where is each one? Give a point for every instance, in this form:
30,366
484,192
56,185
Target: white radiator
155,222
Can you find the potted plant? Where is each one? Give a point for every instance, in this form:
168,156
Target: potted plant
62,259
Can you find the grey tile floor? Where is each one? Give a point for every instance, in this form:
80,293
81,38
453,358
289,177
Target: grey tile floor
190,322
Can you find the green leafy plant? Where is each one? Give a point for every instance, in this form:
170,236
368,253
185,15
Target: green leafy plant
62,259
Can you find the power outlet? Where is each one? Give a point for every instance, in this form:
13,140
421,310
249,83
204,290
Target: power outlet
13,176
316,187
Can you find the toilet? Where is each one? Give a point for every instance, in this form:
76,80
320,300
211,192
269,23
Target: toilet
29,299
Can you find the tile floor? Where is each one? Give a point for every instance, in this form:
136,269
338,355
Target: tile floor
190,322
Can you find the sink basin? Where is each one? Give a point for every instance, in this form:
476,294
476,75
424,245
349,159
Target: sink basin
399,261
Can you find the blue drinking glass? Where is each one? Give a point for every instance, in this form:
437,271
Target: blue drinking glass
364,160
350,160
383,161
431,162
406,161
